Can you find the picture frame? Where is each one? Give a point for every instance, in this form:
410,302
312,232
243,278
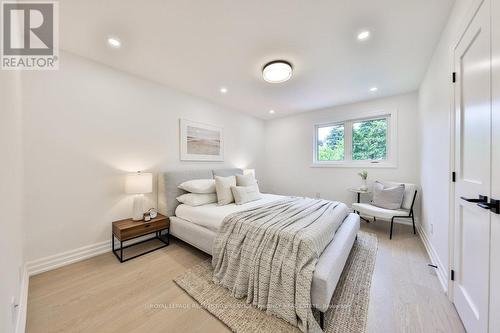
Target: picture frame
201,142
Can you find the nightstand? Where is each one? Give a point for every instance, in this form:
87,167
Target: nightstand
128,229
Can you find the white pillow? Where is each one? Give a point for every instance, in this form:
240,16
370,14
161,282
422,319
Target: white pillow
199,186
244,194
388,197
245,180
223,189
197,199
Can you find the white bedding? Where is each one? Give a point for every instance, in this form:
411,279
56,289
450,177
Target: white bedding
211,216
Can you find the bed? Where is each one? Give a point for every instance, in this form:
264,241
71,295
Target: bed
198,227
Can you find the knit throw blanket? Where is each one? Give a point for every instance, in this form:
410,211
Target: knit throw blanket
268,255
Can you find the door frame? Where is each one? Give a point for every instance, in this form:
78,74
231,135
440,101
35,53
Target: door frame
466,21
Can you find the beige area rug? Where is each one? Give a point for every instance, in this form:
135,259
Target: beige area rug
348,311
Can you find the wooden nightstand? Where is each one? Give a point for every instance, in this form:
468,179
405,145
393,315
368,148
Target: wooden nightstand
128,229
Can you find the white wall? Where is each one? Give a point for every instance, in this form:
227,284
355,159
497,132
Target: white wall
86,125
435,98
11,203
289,151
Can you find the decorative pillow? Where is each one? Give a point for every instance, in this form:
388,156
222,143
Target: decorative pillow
245,180
198,186
223,189
244,194
388,197
197,199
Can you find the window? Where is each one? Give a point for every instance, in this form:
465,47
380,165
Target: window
330,143
357,142
369,140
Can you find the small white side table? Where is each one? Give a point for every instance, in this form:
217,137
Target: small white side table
359,191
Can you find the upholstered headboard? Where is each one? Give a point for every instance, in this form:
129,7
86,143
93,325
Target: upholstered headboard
168,182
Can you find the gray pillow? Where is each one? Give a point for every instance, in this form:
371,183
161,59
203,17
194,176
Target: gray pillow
244,194
388,197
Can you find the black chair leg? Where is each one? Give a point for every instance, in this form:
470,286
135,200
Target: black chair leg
322,320
413,220
392,223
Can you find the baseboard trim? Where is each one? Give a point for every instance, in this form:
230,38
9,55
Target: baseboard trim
442,272
52,262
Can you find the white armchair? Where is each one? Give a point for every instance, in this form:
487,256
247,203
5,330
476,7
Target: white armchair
405,212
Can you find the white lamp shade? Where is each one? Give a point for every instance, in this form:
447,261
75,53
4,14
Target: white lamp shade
139,183
249,172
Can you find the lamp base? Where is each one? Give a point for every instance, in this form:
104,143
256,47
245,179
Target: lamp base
138,208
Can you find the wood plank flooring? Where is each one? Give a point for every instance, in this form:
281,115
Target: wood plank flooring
102,295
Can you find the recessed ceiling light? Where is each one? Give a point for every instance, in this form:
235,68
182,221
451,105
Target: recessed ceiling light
373,89
277,71
364,35
272,112
114,42
223,90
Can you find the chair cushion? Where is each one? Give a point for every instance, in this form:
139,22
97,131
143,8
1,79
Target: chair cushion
409,193
388,197
371,210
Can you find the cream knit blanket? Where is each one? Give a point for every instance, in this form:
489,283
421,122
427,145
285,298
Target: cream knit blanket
268,255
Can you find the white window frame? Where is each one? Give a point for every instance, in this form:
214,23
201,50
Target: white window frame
348,162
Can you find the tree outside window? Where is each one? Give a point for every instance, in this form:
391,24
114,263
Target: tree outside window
369,140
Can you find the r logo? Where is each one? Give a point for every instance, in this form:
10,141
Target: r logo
29,29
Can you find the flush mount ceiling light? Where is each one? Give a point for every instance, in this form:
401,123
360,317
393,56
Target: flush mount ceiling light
223,90
373,89
114,42
364,35
277,71
272,112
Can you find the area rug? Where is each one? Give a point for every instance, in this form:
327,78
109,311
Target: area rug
349,306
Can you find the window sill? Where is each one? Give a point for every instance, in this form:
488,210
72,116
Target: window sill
386,165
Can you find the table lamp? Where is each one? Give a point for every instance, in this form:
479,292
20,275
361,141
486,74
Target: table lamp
139,184
249,172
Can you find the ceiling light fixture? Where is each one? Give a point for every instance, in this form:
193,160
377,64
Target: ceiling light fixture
223,90
364,35
373,89
114,42
272,112
277,71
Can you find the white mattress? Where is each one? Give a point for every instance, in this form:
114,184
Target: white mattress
211,216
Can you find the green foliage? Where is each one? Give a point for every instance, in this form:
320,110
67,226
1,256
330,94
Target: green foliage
326,153
363,174
332,149
369,140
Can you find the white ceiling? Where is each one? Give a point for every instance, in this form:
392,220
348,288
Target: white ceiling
198,46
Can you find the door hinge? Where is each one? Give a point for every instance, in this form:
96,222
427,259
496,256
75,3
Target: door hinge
454,176
452,275
454,77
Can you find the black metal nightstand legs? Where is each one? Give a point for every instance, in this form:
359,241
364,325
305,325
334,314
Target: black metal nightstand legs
158,235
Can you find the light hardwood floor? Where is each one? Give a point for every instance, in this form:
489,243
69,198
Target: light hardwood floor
102,295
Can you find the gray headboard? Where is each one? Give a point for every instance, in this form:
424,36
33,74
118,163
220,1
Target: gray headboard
168,182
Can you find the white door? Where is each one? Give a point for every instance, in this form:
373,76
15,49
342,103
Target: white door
495,167
473,171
